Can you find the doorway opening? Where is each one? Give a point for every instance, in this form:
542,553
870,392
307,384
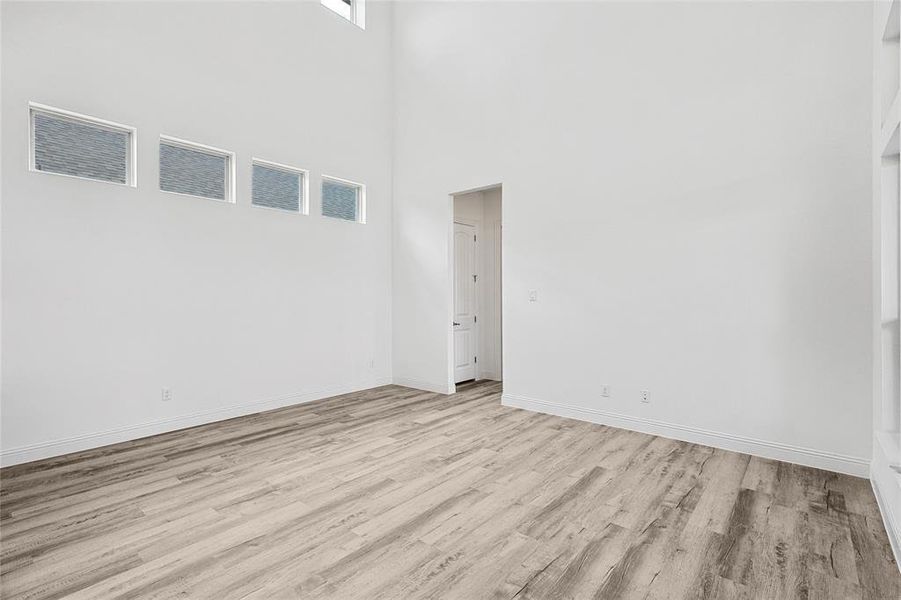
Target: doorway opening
476,296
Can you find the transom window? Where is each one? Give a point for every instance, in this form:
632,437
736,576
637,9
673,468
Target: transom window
279,186
194,169
68,143
343,199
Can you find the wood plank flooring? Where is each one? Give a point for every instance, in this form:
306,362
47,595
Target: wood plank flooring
394,493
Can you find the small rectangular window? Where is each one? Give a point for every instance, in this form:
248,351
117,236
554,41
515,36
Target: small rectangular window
352,10
279,186
342,199
196,170
67,143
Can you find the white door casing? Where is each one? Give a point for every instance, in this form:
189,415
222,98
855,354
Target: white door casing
465,334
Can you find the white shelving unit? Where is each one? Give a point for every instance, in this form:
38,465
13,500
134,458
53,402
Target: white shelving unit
885,470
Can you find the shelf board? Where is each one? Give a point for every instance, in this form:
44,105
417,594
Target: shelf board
889,141
892,114
892,29
890,441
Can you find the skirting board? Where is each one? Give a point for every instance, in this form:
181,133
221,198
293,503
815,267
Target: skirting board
23,454
886,484
490,375
892,527
421,384
850,465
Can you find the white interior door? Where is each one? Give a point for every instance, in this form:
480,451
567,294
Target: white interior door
465,339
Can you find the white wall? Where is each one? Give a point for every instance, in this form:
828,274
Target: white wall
111,293
686,185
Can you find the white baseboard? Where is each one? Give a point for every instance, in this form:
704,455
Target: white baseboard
892,526
851,465
887,488
422,384
49,449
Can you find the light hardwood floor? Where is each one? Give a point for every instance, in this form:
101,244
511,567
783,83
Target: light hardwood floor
395,493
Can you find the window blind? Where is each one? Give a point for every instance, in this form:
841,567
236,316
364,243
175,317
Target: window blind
71,146
340,200
274,187
193,171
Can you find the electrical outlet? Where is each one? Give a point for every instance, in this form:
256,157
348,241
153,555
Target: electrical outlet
605,391
645,397
533,295
167,394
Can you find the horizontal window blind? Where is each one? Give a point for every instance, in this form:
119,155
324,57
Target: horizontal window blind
73,146
194,171
340,200
277,187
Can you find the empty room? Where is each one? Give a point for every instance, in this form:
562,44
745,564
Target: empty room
450,299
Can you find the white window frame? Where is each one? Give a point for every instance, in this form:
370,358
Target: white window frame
189,145
131,165
355,12
361,198
304,207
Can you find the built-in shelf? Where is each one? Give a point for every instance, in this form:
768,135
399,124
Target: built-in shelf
885,467
892,29
889,142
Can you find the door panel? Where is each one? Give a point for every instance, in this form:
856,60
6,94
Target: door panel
464,302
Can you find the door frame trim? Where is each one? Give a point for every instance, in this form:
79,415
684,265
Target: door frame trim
449,281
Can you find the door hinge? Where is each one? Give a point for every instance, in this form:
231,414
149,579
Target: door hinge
475,319
474,238
475,278
475,359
